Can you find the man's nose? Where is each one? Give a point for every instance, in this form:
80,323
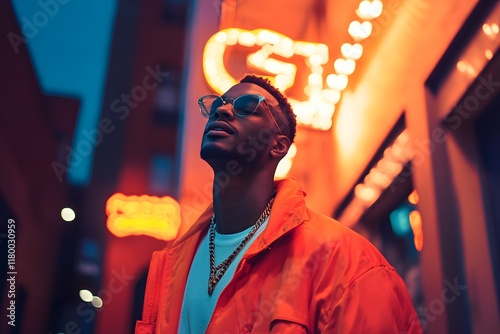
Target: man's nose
224,111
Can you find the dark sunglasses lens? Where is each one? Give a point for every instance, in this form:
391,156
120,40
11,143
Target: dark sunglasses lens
214,103
245,105
208,105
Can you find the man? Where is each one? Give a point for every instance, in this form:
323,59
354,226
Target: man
257,260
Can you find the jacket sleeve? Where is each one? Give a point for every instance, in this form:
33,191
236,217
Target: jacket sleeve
377,301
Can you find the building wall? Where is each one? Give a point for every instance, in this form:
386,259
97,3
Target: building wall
34,129
152,35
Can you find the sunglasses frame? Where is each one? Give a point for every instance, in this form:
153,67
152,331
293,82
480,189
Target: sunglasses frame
225,100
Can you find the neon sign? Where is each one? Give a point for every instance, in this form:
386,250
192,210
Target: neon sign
157,217
317,111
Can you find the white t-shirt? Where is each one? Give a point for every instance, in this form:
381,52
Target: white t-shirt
198,305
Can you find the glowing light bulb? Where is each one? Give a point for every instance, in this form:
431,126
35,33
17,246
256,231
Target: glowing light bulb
363,10
461,66
376,8
344,66
220,37
246,38
487,29
494,28
232,36
273,66
315,79
369,10
330,95
316,59
67,214
97,302
365,193
359,31
86,295
326,125
351,51
416,227
338,82
413,198
309,50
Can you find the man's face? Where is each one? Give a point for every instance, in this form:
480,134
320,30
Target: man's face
228,136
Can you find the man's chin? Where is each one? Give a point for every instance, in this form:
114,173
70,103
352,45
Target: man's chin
213,152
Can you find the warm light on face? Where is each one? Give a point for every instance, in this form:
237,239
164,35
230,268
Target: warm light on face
156,217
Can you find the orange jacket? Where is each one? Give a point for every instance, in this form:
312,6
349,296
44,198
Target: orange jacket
305,270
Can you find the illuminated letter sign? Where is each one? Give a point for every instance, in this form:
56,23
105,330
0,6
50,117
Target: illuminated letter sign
156,217
317,111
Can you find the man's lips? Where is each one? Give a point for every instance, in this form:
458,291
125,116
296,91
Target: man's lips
219,128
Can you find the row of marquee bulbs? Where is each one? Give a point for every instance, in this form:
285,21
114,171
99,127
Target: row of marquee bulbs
380,177
322,100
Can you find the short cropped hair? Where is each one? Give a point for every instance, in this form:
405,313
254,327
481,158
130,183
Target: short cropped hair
286,108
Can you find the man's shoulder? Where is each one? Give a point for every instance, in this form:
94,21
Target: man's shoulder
341,240
323,225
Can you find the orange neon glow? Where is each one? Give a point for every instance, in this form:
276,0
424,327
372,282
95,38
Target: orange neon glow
413,198
387,169
153,216
316,112
416,227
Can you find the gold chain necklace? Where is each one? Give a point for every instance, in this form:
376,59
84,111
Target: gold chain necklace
216,273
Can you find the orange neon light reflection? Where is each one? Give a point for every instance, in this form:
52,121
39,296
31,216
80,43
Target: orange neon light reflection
153,216
416,227
413,198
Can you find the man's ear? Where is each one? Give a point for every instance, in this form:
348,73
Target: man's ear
280,147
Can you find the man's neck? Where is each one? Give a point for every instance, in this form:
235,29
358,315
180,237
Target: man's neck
239,204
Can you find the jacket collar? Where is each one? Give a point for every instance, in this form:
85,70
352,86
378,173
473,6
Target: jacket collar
288,212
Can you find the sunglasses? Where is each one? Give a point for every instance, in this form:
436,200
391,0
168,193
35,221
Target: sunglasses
243,105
